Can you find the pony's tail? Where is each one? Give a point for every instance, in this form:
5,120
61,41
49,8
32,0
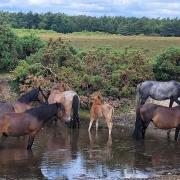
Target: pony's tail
138,99
137,134
75,107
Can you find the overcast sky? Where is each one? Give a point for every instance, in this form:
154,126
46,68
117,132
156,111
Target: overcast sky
138,8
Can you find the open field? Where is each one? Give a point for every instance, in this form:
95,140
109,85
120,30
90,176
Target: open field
151,45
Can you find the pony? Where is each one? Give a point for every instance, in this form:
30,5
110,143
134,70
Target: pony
158,91
101,110
29,122
161,116
71,102
24,102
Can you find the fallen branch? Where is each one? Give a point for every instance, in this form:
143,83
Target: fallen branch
50,70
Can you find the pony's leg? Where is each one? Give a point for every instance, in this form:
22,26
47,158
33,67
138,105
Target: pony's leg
170,105
109,124
110,129
176,134
30,142
3,137
97,125
90,124
177,101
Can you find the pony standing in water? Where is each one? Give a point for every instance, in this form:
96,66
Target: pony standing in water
158,91
101,110
24,102
162,117
71,102
29,122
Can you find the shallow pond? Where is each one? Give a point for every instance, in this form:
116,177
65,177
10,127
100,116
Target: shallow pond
60,153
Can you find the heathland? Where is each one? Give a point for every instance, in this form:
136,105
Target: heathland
88,61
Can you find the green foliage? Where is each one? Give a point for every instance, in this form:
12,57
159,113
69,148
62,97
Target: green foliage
8,48
13,48
167,65
25,69
30,44
114,72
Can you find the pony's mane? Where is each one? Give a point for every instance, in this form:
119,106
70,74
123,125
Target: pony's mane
29,96
43,112
61,87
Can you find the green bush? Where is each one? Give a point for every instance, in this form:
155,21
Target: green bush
30,44
113,72
8,49
13,48
167,65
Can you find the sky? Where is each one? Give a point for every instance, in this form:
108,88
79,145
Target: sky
127,8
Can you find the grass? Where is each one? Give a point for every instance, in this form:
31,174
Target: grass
151,45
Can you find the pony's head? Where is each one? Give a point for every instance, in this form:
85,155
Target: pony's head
96,98
42,95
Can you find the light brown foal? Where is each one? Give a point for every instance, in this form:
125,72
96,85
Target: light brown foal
101,110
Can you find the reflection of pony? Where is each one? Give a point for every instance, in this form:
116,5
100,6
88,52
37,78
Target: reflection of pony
23,103
162,117
106,154
158,91
71,102
29,122
99,110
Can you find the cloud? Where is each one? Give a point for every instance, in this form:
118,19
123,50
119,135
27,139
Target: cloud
138,8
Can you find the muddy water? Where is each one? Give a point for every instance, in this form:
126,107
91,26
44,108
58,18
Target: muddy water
59,153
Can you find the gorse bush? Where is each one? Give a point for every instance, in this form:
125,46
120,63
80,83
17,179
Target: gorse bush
167,65
30,44
13,48
114,72
8,48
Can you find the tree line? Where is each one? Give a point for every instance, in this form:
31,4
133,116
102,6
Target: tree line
63,23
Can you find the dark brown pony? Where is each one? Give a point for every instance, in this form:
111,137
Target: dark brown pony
24,102
161,116
29,122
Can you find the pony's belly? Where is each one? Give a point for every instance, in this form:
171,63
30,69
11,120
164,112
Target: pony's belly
163,123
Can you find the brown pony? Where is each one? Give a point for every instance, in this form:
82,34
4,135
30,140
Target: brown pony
161,116
24,102
60,93
99,110
29,122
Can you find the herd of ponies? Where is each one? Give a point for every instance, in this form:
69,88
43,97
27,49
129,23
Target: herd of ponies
20,118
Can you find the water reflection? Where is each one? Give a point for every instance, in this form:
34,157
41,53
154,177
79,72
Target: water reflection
78,154
61,153
18,163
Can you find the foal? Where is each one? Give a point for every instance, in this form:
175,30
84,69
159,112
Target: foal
29,122
99,110
162,117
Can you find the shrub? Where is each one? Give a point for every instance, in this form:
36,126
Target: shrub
8,49
30,44
167,65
